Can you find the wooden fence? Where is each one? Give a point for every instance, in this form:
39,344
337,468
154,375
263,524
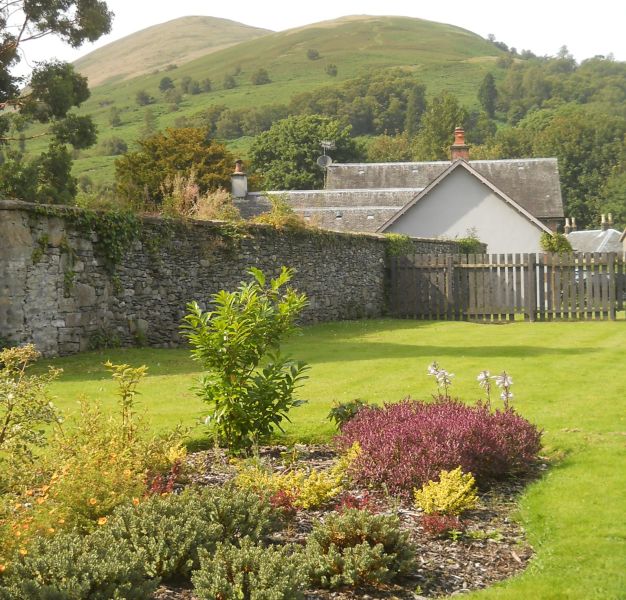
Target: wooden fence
503,287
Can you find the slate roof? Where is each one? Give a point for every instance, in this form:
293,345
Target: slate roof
596,240
532,183
462,164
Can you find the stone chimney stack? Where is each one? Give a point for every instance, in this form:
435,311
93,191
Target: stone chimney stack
603,223
568,227
239,181
610,220
459,150
573,222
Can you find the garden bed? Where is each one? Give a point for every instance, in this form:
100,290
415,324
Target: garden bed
491,547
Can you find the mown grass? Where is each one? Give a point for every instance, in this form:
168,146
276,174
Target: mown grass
568,378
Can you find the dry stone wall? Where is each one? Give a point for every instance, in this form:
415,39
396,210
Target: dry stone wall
59,289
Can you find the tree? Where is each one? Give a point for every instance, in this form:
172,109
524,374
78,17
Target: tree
229,82
260,77
387,148
150,124
115,118
206,85
140,175
312,54
443,115
488,95
331,70
286,154
47,96
415,107
143,98
166,84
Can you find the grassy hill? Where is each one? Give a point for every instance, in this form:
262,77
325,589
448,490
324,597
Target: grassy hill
443,57
175,42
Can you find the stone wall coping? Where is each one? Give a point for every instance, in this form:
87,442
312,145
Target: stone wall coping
7,204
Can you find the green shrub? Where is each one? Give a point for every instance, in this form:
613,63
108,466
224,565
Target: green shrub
167,532
231,341
555,242
250,572
342,412
453,494
357,548
72,567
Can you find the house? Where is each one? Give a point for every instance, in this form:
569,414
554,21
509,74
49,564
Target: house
508,204
605,239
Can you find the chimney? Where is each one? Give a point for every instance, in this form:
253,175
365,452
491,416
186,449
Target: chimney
573,222
610,220
568,227
239,181
459,150
603,224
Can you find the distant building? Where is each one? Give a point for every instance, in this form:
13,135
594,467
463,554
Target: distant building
605,239
508,204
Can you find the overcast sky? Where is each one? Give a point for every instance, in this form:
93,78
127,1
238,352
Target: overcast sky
587,28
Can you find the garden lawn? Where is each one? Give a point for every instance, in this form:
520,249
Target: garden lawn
569,378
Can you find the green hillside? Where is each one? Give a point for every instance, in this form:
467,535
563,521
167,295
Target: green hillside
443,57
175,42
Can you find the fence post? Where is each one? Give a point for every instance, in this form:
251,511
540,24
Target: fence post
531,296
610,261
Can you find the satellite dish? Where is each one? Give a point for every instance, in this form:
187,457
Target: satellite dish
324,161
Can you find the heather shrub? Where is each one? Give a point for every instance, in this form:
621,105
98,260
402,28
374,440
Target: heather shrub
454,493
250,571
407,444
74,567
356,548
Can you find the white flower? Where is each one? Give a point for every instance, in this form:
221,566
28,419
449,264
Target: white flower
483,376
503,380
506,395
433,369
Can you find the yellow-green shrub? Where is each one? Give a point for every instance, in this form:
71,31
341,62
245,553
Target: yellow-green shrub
454,493
308,488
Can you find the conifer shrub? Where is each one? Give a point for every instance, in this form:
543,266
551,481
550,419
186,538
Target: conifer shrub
167,532
250,571
73,567
356,548
405,445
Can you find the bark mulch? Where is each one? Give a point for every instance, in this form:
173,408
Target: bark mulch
491,548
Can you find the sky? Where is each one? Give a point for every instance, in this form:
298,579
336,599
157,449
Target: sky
587,28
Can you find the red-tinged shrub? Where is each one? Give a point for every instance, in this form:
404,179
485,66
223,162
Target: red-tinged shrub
441,525
348,501
283,501
407,444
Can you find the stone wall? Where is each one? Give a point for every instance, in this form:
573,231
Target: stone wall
60,290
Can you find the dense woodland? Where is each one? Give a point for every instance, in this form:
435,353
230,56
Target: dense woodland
526,106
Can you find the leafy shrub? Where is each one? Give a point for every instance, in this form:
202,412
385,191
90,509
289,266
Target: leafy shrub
407,444
25,407
251,572
216,206
74,567
441,525
357,548
307,489
312,54
244,329
113,146
342,412
453,494
281,215
331,70
555,242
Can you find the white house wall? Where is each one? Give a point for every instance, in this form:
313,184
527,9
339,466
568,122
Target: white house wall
461,203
